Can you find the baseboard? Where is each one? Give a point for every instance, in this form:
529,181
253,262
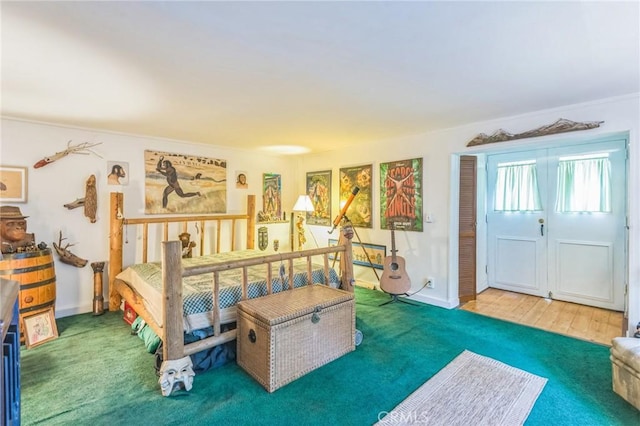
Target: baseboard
417,297
84,309
448,304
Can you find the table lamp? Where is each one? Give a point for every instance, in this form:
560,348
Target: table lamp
299,210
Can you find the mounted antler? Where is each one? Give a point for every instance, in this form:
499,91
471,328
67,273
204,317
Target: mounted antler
66,256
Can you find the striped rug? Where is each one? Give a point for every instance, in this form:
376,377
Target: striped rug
471,389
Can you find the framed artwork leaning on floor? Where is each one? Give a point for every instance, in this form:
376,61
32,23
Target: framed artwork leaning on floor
39,328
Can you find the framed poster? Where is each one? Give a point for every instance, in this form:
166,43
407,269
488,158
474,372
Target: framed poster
180,183
13,184
359,212
363,253
118,173
401,195
272,196
241,180
319,190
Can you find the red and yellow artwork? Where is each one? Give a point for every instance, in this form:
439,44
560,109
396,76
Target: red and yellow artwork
401,195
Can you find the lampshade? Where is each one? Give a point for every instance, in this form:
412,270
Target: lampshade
303,204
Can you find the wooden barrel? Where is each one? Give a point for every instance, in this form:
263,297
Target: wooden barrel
35,271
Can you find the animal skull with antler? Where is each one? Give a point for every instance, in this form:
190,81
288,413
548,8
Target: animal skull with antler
66,256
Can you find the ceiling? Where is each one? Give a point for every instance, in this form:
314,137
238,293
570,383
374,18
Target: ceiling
307,75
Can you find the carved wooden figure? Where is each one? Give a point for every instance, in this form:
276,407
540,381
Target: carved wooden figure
91,199
81,148
187,245
13,231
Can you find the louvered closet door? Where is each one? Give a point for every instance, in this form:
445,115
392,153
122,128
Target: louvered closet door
467,230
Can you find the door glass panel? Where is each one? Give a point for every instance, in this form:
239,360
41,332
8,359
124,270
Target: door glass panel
517,187
584,184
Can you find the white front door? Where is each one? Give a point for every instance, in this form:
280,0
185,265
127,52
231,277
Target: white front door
517,252
577,256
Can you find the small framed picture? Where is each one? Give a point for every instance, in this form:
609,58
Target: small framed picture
39,328
13,184
118,173
241,180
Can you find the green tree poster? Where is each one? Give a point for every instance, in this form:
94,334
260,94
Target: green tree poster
319,190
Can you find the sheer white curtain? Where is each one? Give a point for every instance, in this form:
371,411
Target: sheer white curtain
517,187
584,185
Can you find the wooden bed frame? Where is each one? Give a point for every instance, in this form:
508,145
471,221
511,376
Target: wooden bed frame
171,332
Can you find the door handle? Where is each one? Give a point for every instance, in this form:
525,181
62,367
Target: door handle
541,222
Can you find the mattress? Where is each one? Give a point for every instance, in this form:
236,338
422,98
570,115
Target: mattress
197,291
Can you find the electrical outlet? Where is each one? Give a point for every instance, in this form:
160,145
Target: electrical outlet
430,283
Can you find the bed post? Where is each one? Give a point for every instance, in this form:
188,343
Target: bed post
176,366
251,221
172,314
115,248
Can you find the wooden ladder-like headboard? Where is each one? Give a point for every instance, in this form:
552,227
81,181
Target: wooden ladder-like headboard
118,222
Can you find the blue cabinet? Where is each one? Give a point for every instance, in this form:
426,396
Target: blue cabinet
10,369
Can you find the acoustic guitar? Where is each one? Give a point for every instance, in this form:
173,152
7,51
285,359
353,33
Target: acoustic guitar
394,279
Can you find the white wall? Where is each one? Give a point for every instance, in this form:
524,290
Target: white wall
433,252
50,187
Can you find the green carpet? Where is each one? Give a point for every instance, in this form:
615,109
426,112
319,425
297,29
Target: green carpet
97,373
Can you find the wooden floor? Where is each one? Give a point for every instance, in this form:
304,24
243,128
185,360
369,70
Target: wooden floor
584,322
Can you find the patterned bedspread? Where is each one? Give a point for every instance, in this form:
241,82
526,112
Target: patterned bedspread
197,292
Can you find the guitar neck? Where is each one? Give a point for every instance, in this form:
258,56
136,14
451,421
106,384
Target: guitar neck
393,243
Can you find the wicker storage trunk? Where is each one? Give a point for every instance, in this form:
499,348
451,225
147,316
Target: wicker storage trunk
285,335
